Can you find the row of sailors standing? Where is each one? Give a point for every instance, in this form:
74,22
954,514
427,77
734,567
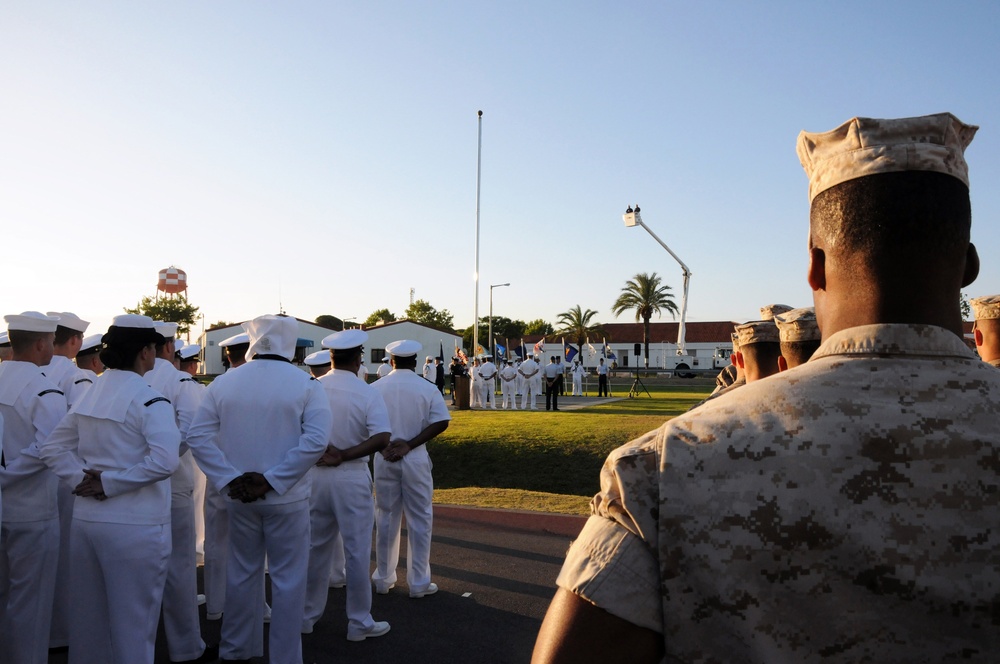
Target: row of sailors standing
129,546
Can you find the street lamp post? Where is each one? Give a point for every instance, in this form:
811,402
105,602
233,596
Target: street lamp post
492,349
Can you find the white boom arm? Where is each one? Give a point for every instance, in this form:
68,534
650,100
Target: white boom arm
634,219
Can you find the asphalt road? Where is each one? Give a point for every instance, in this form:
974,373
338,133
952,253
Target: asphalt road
496,570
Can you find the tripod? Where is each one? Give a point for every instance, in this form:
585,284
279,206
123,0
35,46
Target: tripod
637,384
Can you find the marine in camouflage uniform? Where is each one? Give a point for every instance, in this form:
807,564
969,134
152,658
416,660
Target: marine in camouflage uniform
986,331
843,511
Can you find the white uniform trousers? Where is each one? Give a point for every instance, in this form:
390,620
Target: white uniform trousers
29,555
529,389
338,561
117,588
577,386
216,550
475,394
200,486
404,487
509,400
59,632
180,593
487,394
341,502
282,532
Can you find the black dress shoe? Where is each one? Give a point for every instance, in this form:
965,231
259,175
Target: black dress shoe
211,654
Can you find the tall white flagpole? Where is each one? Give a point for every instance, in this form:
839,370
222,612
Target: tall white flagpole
479,167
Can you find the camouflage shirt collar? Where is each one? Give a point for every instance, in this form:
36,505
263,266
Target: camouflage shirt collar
895,339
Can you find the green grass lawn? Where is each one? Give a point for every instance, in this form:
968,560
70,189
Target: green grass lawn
540,459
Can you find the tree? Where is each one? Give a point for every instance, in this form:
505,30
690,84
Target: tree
538,326
379,316
332,322
168,309
577,325
966,308
644,293
421,311
220,323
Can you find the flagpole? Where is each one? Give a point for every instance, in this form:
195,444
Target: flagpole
479,165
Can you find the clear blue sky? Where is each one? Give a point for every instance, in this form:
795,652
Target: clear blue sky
324,153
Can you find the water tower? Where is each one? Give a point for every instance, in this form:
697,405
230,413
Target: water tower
172,281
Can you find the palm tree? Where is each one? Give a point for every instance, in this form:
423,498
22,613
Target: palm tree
576,324
644,293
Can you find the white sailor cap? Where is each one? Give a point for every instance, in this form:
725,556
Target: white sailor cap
272,335
235,340
178,345
91,344
320,358
166,330
32,321
190,352
403,348
385,359
430,358
131,327
70,320
346,340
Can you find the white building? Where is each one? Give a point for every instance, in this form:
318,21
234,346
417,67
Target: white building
311,336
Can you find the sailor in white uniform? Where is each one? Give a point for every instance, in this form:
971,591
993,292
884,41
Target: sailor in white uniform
508,380
216,512
72,382
180,595
118,447
403,481
488,383
88,359
259,429
341,500
31,406
530,372
383,369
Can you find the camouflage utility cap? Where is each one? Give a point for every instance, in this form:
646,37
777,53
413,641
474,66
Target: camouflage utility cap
867,146
769,311
757,332
798,325
986,307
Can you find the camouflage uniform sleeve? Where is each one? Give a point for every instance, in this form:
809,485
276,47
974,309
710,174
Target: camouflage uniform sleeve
613,563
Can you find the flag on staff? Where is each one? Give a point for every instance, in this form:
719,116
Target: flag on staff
540,346
460,354
441,351
591,351
520,350
569,352
479,349
607,351
501,351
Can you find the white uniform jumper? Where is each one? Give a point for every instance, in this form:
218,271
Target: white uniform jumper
180,594
406,486
119,546
31,407
342,501
508,381
266,416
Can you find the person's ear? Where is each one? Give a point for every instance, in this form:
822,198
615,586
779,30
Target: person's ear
971,265
978,336
817,269
739,360
782,364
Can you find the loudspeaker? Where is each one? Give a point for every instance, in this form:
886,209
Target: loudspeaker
638,350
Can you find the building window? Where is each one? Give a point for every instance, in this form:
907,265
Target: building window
624,359
377,355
